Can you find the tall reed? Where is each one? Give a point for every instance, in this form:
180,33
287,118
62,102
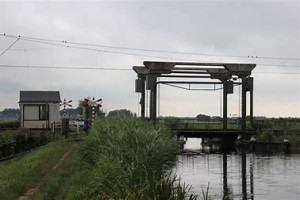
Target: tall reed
127,158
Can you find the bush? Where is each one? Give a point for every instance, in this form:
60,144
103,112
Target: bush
10,124
171,122
20,140
266,136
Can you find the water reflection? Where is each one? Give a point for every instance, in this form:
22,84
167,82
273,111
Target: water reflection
244,174
240,173
251,178
226,190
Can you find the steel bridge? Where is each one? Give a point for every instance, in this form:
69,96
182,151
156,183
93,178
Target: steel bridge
226,75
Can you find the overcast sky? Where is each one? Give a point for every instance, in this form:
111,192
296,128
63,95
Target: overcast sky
266,29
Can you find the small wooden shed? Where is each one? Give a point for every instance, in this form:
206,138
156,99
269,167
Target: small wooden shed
38,109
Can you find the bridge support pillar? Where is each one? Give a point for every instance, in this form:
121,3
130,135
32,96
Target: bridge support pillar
140,88
250,88
244,106
225,92
143,100
153,96
153,102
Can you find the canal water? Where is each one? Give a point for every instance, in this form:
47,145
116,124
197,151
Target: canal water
247,174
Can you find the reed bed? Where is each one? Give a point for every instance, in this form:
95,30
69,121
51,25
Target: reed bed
127,158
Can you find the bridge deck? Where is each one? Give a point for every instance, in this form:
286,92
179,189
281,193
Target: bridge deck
209,133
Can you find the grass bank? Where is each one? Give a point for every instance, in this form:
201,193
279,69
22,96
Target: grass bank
59,184
122,158
21,173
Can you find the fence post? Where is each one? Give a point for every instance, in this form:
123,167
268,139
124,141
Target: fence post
65,127
53,130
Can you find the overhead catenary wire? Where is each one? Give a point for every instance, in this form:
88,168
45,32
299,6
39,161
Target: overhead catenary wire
98,50
32,49
136,54
108,68
149,50
63,67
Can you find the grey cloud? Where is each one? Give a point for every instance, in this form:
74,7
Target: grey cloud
262,28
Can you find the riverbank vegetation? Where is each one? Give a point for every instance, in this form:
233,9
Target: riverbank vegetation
278,129
126,158
121,158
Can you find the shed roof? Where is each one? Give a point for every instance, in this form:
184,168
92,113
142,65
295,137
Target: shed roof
39,96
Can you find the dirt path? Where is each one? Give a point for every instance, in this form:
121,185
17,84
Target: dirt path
30,192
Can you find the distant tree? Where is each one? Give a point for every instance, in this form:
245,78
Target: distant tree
10,113
81,105
121,113
70,112
219,119
202,117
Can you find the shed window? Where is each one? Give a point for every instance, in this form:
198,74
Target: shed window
31,112
35,112
43,112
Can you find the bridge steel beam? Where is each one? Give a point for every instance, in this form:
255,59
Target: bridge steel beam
153,103
142,102
244,107
250,89
225,92
151,82
183,76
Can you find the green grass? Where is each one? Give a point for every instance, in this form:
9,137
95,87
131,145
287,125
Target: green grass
20,174
55,186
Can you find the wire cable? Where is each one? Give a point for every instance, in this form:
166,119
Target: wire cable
101,50
142,55
151,50
9,47
63,67
110,68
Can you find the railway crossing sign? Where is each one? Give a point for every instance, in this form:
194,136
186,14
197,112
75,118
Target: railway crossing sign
65,103
93,103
